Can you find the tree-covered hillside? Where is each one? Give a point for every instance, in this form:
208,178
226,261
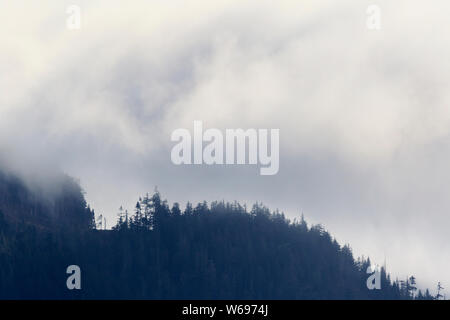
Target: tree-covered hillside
60,206
221,251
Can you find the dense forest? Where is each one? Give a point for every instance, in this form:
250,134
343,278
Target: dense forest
217,251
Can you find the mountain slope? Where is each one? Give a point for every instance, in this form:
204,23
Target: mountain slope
221,251
62,205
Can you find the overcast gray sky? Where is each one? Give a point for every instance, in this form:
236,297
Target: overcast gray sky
364,115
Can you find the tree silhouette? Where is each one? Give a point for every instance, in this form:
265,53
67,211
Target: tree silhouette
217,251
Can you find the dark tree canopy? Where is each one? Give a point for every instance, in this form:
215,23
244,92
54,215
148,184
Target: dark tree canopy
217,251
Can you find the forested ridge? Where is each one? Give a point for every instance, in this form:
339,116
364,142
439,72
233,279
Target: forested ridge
217,251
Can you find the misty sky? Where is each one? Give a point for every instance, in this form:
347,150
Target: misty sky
364,115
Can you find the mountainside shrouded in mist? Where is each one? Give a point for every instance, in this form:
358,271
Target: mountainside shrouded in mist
208,252
31,202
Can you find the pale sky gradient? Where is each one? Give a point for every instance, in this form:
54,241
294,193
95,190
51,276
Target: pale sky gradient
364,116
